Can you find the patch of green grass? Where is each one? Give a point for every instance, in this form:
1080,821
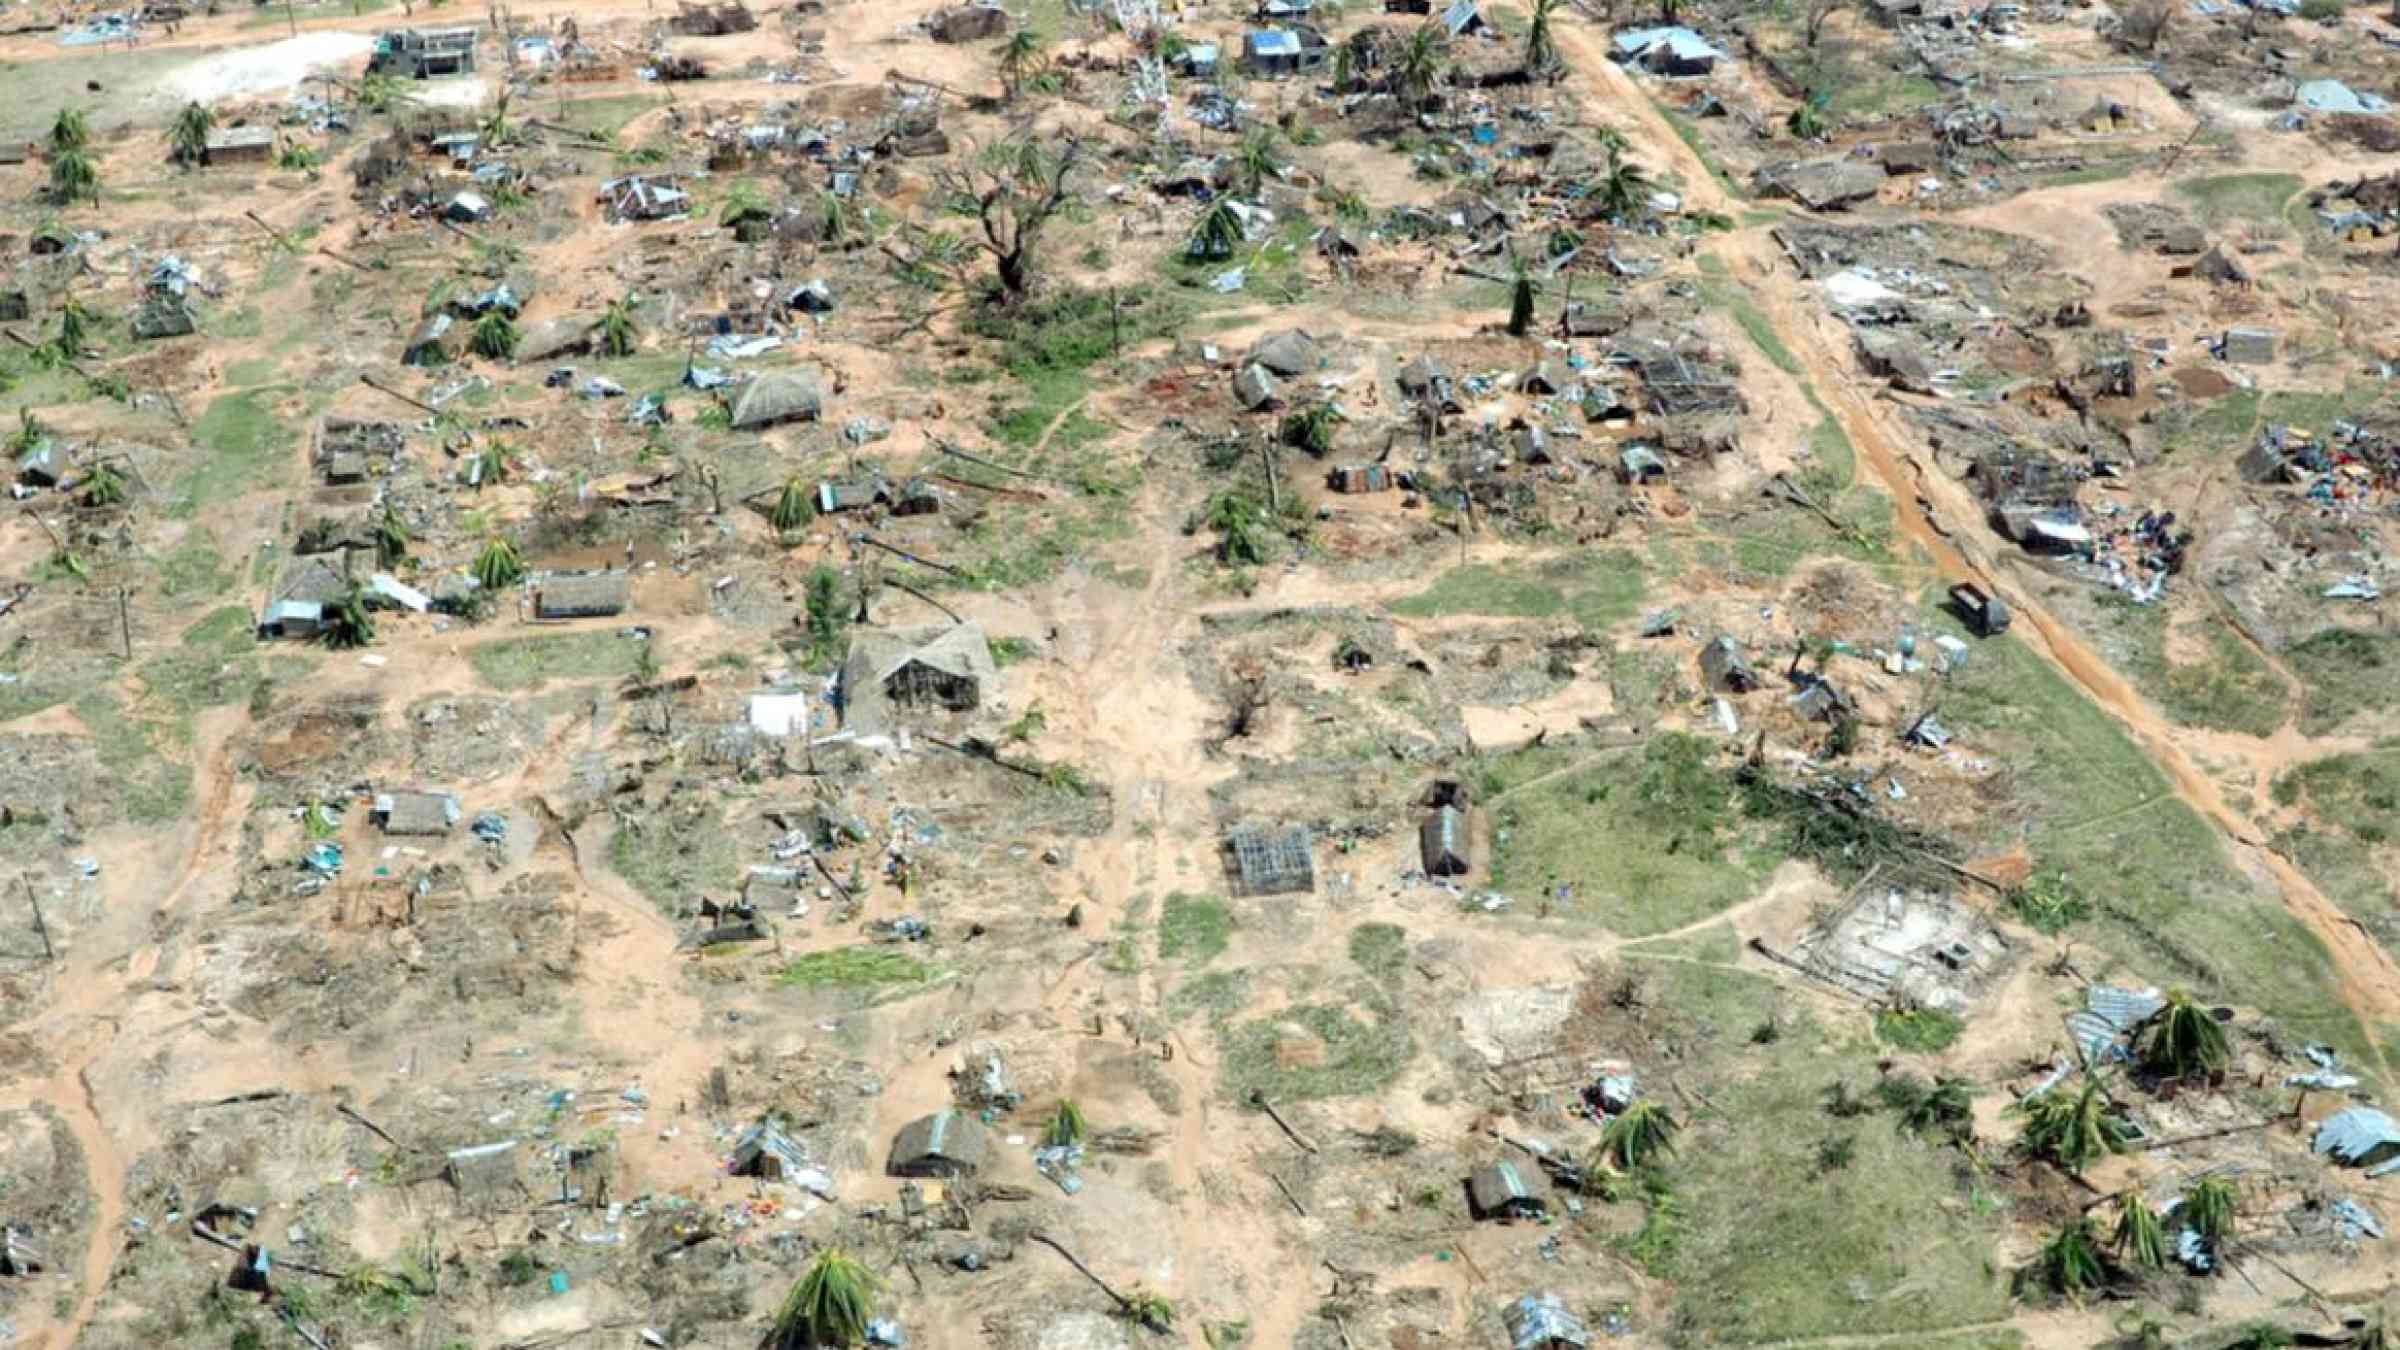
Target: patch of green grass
2238,196
853,968
2170,906
1380,949
607,116
1216,995
674,854
2231,689
1923,1031
1194,929
195,568
1772,1245
1643,843
1315,1051
242,436
1719,289
215,664
2343,672
1688,132
1862,100
257,370
1598,590
1717,945
150,787
2215,430
529,662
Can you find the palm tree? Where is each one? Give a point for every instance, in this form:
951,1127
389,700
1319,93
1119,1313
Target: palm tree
2140,1238
495,335
72,131
1258,160
831,1304
1067,1126
492,464
2072,1130
795,506
1644,1133
347,623
1625,188
837,223
189,138
2070,1260
1808,120
379,93
1947,1105
104,486
743,203
619,334
30,432
74,329
2208,1210
1541,43
1218,232
73,177
498,567
496,128
391,536
2182,1041
1419,66
1021,60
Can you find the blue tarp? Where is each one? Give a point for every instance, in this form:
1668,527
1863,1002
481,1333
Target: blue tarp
2333,96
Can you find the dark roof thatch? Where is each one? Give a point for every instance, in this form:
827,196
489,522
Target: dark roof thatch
944,1144
786,396
1504,1190
588,596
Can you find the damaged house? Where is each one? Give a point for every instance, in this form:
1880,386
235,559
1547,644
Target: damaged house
692,20
2030,499
1271,860
947,1144
424,53
892,673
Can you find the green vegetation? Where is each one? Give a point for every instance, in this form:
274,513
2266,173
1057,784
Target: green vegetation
1598,590
854,968
1642,1135
2345,672
2069,1262
527,663
2353,805
2073,1129
2232,688
1380,949
1313,1051
2183,1041
148,787
243,437
1721,291
1066,1127
830,1305
2090,803
1866,99
1924,1031
1640,847
215,664
2049,903
1193,929
2238,196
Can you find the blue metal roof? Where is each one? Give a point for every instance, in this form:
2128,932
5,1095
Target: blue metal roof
1274,42
2357,1136
1681,43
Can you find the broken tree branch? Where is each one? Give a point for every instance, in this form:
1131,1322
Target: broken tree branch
377,1130
379,387
1259,1100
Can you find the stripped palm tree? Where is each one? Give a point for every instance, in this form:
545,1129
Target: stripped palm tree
1541,41
1418,69
2074,1129
795,506
1259,160
391,536
1625,188
2182,1041
72,131
1022,60
495,335
2070,1260
1218,232
2140,1239
2208,1210
189,136
498,566
617,330
1067,1127
74,177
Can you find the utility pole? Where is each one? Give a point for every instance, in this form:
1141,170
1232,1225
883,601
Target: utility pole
125,621
40,928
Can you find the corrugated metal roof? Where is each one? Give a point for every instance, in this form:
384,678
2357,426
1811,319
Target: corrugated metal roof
2124,1009
2356,1135
1539,1321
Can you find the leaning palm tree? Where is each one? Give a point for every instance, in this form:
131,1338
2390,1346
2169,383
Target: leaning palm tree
1541,41
189,136
495,335
1022,60
794,507
2070,1260
72,131
1418,68
2140,1239
2182,1041
499,566
74,177
1258,160
391,536
831,1304
1067,1127
2073,1130
1520,295
1625,188
1643,1133
2208,1209
1218,232
618,333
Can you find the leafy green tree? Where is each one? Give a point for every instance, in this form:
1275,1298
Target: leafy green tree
1023,59
619,333
189,136
645,664
380,93
30,432
1311,428
496,335
2209,1209
497,129
795,506
74,177
2140,1239
2070,1260
1541,41
347,622
831,1304
2073,1129
498,566
744,203
74,330
1640,1135
1067,1126
1808,121
1218,232
1625,188
823,614
104,486
1258,160
2182,1041
1241,528
72,131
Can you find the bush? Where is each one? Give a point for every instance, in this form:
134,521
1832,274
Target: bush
2322,11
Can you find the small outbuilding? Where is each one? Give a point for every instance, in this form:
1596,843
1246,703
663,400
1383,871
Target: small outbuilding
485,1176
292,619
1272,860
1503,1190
589,595
785,396
413,813
1442,842
947,1144
1542,1322
766,1152
231,144
2360,1137
1728,671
